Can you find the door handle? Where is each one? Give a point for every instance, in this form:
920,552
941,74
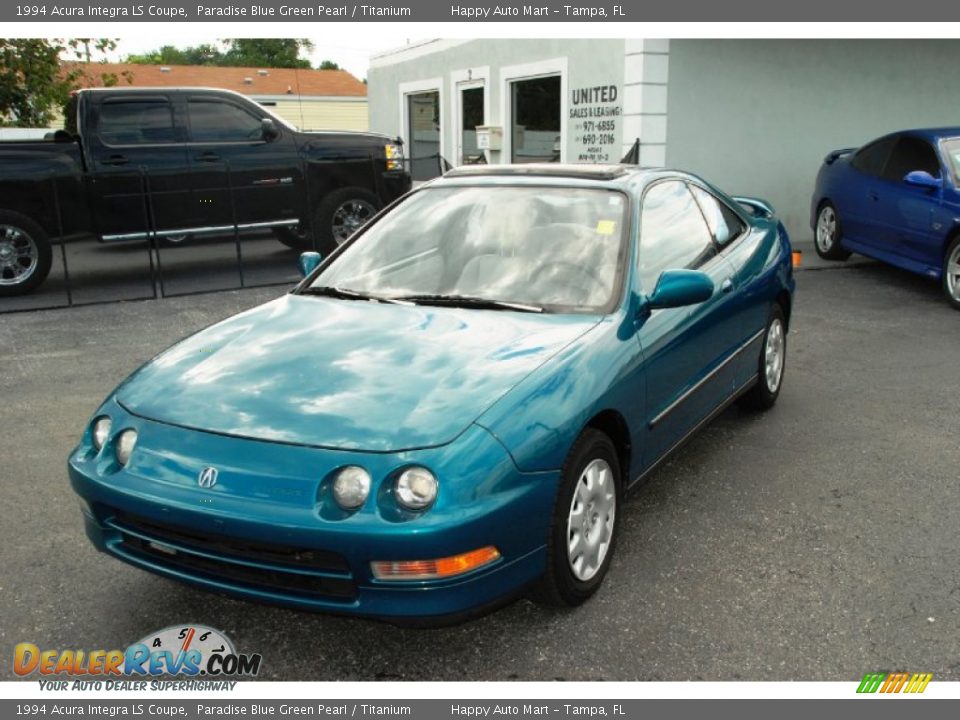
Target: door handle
116,160
873,196
726,286
208,157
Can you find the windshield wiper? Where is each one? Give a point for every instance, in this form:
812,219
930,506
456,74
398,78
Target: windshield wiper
469,301
345,294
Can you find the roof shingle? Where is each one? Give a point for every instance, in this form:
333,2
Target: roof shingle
276,81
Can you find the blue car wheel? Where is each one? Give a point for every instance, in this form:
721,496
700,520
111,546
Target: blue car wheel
828,233
584,529
951,273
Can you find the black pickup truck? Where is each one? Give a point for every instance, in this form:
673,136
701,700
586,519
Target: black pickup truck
138,164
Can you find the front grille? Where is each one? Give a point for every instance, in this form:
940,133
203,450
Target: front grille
300,571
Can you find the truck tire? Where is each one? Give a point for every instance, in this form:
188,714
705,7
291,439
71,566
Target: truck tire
339,214
25,254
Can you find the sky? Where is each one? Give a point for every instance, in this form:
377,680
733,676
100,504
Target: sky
350,53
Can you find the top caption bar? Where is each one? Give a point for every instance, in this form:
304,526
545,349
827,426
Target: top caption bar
447,11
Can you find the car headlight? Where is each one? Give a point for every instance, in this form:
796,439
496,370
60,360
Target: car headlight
101,431
126,441
394,155
416,488
351,487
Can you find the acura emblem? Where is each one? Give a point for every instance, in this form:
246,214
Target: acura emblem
207,477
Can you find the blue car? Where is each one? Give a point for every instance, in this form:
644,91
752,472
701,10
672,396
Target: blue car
896,199
448,410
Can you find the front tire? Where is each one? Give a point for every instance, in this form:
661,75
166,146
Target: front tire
828,233
583,531
951,273
25,254
338,216
771,364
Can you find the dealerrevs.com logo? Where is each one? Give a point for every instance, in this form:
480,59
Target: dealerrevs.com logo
186,650
895,682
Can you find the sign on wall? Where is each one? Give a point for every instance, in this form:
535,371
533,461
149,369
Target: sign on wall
595,114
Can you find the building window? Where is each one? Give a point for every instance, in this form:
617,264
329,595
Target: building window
535,120
471,115
423,118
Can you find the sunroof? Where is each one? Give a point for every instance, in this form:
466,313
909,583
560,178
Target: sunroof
593,172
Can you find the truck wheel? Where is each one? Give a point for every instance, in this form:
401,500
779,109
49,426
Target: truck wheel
340,214
25,254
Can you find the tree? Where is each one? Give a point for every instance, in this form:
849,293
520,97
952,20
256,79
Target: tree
328,65
34,84
205,54
240,52
268,52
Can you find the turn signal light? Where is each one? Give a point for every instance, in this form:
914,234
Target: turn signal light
394,156
434,569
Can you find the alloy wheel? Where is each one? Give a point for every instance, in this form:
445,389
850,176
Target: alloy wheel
350,217
952,271
19,255
826,229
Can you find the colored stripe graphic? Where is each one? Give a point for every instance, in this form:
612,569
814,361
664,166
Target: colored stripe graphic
894,682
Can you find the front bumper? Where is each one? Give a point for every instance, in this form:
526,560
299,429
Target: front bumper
272,538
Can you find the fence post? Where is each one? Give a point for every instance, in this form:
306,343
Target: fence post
63,248
233,219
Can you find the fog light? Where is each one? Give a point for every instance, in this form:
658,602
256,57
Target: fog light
126,441
434,569
101,431
351,487
416,488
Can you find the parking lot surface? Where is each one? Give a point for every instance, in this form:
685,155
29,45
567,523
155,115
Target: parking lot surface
817,541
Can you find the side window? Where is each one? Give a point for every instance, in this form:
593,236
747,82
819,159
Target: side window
673,233
215,121
723,222
136,122
911,154
871,158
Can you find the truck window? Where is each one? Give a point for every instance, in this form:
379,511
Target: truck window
215,121
136,122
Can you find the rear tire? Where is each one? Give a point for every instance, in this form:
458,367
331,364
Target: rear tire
951,273
828,233
771,364
25,254
583,530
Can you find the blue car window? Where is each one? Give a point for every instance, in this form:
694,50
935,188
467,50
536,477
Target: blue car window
872,158
673,233
909,154
724,223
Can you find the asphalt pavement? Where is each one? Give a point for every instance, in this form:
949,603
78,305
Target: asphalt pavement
813,542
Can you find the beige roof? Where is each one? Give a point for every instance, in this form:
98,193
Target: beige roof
247,80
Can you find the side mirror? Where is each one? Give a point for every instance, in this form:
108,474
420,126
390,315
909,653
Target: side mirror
308,262
921,178
269,130
677,288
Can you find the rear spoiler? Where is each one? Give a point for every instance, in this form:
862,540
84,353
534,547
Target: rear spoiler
829,159
756,206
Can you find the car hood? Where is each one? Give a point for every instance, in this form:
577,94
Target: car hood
346,374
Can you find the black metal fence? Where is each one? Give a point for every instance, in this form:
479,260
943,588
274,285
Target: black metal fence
86,270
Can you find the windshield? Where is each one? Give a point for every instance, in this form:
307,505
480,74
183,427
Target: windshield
552,248
952,149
